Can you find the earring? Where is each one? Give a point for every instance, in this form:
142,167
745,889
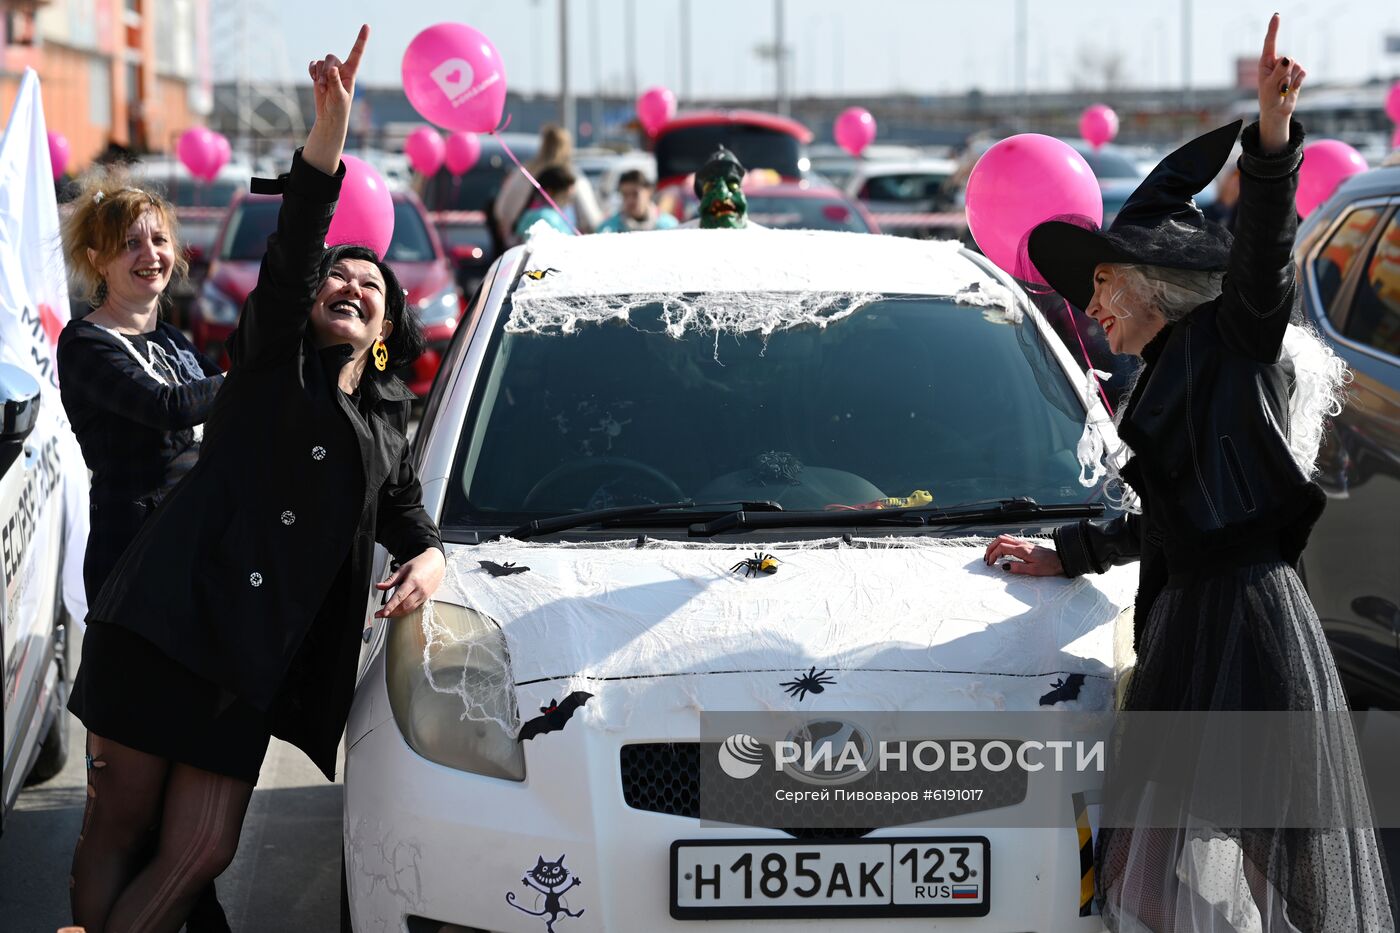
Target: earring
381,356
100,295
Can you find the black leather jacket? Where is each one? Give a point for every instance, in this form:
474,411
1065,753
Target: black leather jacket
1208,418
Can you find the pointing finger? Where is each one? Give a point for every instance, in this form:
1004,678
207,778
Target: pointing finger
1269,38
352,63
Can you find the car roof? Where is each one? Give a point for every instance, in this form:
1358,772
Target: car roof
770,121
791,189
677,262
905,166
1377,182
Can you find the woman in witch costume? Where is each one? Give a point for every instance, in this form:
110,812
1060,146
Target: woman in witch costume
1223,423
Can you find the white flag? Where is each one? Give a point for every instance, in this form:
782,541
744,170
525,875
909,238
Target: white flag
34,309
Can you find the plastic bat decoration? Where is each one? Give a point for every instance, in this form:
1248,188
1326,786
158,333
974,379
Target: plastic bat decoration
554,716
501,570
1066,689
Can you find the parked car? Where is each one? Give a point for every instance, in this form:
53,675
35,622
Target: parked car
784,205
759,140
33,621
743,407
912,197
837,165
415,252
1349,253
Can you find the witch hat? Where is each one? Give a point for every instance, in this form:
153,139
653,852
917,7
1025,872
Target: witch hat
721,164
1159,225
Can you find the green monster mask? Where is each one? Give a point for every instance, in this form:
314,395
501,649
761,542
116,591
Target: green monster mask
718,185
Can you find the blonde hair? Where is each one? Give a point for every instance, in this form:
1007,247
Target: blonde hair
556,148
106,205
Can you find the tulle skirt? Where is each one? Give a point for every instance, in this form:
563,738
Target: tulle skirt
1245,638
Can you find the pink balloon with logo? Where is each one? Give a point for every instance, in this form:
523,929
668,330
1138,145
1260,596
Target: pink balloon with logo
1326,164
1098,124
1392,102
223,151
197,150
655,108
364,215
463,149
1022,181
425,150
59,153
854,130
454,77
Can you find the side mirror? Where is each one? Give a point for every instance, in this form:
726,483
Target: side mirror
19,394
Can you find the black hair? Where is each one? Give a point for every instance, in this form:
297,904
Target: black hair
405,342
635,176
556,178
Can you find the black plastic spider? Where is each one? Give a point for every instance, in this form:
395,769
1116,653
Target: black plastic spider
753,566
810,682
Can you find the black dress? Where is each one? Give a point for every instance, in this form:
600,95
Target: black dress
1233,629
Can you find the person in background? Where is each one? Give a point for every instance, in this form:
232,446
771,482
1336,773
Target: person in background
638,211
560,184
517,195
1227,197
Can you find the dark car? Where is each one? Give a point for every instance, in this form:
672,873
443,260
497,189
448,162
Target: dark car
415,252
1349,254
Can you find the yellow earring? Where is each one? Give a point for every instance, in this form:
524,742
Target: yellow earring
381,356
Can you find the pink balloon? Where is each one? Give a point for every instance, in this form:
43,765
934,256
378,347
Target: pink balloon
1326,164
365,214
1392,102
59,153
655,108
854,130
454,77
1020,182
1098,124
197,151
463,149
222,153
425,150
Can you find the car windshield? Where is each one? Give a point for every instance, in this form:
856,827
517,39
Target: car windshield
804,214
912,187
254,221
681,152
190,193
907,393
1110,164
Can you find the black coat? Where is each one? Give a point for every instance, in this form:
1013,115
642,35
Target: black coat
1207,421
262,556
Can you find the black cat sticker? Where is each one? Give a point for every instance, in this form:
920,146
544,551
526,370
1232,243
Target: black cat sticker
549,881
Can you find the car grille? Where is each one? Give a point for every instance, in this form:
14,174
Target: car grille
664,777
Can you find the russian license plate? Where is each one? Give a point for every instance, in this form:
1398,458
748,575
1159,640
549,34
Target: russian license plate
943,876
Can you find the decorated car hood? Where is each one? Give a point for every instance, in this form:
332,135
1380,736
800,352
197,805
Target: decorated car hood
577,614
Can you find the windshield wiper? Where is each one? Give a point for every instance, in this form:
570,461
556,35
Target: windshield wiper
913,516
617,514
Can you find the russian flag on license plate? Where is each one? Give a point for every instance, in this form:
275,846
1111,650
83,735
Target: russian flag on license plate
964,891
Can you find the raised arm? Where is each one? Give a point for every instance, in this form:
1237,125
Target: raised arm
1261,286
274,316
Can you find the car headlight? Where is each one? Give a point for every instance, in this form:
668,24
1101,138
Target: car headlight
217,307
451,691
443,306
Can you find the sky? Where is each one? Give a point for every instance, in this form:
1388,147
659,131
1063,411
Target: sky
861,47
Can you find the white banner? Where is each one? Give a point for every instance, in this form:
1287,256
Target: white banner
34,309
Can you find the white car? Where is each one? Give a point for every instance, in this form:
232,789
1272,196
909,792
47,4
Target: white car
902,185
664,465
33,621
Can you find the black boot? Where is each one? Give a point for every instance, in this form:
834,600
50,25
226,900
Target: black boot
207,916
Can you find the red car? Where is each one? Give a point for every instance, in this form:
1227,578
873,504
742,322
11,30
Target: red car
415,253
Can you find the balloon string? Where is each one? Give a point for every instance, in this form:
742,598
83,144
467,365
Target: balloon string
529,177
1088,364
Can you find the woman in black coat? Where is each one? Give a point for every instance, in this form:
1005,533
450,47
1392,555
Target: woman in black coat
135,390
236,613
1223,423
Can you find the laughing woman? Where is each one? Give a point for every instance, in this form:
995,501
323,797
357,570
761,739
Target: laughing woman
236,613
1223,423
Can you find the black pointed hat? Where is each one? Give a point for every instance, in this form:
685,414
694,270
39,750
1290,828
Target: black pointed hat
722,164
1159,225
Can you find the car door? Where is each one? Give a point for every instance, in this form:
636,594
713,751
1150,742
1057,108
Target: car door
1353,285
